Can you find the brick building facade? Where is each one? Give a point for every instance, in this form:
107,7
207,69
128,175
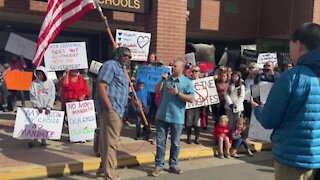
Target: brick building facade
172,23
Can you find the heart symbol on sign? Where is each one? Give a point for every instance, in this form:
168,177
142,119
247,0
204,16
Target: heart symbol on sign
120,34
142,41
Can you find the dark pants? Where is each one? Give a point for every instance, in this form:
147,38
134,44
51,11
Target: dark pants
13,98
237,143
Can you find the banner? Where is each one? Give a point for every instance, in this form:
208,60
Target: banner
95,67
151,75
266,57
205,93
81,120
59,56
137,42
256,131
21,46
32,125
190,59
17,80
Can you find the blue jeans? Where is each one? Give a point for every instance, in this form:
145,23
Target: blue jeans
237,143
162,134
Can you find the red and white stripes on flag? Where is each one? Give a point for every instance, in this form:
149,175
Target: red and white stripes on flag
60,13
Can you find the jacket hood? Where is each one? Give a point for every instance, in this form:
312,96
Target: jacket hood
43,69
312,60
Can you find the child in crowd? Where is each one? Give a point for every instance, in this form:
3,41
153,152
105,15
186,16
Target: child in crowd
42,95
222,135
234,98
239,138
142,95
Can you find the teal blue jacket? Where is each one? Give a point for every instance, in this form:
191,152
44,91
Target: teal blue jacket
292,110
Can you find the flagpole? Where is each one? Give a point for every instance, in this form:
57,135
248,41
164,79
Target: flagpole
115,45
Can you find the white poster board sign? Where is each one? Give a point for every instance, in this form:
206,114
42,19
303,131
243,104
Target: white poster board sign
137,42
205,93
190,58
32,125
95,67
52,76
59,56
81,120
265,88
266,57
256,131
21,46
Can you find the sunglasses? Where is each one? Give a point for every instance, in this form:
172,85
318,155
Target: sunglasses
267,66
195,71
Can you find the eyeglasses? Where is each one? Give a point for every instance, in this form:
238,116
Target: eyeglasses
127,56
267,66
195,71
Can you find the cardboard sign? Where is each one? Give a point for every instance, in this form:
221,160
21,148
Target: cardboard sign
95,67
59,56
32,125
18,80
21,46
190,59
137,42
81,120
52,76
151,75
266,57
205,93
256,131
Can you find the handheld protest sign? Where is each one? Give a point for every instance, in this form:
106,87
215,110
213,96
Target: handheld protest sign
72,55
30,124
205,93
81,120
18,80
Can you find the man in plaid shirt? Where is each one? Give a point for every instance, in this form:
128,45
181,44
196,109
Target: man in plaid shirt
111,101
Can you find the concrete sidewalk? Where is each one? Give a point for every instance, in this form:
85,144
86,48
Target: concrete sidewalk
17,161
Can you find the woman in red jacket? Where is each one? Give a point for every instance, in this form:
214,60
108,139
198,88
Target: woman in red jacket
74,87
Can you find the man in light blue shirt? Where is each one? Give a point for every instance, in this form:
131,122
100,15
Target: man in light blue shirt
176,90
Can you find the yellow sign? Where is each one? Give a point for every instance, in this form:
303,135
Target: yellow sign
137,6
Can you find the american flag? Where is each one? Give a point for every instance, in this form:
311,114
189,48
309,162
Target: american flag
60,13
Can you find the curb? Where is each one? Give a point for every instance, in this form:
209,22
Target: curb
91,164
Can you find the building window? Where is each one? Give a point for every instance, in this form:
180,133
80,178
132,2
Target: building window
232,7
191,4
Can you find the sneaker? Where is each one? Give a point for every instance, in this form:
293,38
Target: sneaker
197,141
227,155
235,155
220,156
156,172
250,153
175,170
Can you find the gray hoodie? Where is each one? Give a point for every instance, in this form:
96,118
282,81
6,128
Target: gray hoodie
42,93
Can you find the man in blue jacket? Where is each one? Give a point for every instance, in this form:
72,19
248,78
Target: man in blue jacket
293,109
